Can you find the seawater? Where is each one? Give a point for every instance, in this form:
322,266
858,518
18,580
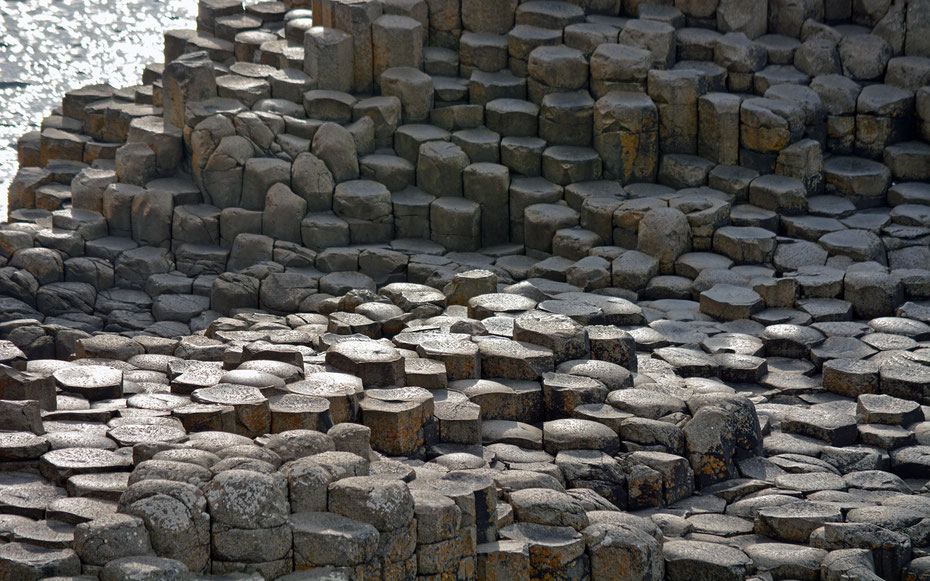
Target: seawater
49,47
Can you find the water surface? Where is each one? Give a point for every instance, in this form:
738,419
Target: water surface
48,47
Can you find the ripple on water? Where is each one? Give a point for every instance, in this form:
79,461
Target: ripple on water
49,48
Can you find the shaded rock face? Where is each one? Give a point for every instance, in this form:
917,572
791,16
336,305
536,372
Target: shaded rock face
478,290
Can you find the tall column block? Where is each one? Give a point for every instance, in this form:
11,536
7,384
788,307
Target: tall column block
355,18
626,135
328,58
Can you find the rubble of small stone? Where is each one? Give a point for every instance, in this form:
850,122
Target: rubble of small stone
470,289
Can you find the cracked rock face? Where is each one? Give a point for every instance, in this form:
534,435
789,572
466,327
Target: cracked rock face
472,290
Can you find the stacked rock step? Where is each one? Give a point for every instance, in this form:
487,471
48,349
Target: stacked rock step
461,289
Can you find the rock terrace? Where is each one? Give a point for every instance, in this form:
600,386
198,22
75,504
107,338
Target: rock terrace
459,289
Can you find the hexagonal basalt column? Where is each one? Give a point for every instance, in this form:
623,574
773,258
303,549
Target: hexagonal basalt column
376,364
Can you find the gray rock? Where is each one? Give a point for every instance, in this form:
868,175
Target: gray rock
698,559
104,539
